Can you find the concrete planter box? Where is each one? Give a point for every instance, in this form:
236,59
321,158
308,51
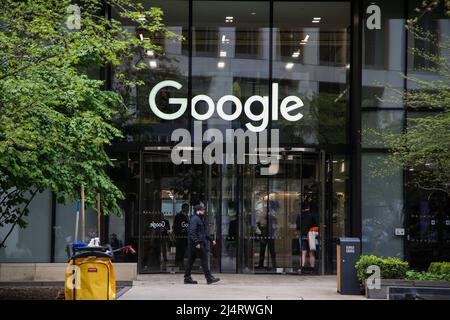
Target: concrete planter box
382,293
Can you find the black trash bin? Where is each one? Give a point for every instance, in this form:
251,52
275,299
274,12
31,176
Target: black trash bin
348,253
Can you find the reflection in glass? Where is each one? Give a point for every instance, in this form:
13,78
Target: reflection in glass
311,60
383,57
382,207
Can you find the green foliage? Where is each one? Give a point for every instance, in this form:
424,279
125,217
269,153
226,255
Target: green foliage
427,6
55,117
439,268
415,275
390,268
425,146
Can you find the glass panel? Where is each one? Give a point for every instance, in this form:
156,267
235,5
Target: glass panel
272,218
254,198
428,225
382,208
65,228
230,57
374,122
125,230
339,198
166,188
437,23
230,219
31,244
383,54
171,63
311,60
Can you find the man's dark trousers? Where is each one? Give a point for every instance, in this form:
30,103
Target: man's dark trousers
193,254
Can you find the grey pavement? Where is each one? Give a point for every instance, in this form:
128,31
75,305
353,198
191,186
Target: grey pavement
236,287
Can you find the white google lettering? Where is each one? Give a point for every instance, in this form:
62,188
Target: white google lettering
287,107
155,225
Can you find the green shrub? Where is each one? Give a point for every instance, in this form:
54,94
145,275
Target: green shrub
439,268
415,275
390,268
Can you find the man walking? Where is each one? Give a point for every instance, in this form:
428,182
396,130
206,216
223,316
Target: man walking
198,246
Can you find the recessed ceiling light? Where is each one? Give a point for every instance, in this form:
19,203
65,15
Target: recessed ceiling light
317,18
253,13
289,65
153,64
221,64
223,54
150,53
296,54
229,19
305,40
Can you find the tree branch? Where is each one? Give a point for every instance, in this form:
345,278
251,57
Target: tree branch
2,244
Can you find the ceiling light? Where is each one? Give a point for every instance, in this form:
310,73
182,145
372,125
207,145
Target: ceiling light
316,20
225,40
150,53
221,64
296,54
223,54
229,19
141,17
289,65
153,64
141,36
253,13
304,41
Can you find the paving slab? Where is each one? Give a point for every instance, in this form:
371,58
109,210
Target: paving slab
236,287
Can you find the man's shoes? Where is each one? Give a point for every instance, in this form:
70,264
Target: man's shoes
189,281
211,280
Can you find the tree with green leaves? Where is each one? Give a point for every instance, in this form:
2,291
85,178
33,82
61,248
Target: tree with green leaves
424,146
55,117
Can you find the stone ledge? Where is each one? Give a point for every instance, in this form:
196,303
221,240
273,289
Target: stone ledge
50,272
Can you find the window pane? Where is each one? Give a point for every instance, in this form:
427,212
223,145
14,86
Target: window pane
383,56
311,61
436,23
65,228
170,63
31,244
375,122
382,207
230,57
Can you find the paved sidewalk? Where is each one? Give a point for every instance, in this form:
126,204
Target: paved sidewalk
236,287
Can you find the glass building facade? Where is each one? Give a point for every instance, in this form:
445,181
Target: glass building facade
343,60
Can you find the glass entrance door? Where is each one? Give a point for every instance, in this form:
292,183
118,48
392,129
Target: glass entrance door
277,209
169,193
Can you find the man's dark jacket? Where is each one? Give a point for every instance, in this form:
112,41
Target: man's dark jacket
197,232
